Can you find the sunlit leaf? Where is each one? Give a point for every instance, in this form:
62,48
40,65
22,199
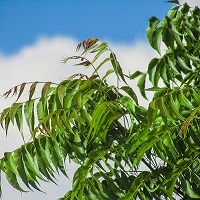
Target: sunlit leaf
183,64
29,114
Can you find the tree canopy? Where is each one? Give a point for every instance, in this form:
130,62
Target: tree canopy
124,150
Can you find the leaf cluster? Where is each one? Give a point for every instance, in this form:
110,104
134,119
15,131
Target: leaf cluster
124,151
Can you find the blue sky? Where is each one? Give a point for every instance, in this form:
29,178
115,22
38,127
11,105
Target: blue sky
23,22
36,34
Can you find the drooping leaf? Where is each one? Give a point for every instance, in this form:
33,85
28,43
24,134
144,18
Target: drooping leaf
174,107
82,172
6,94
153,22
45,88
102,118
117,67
101,64
183,64
141,85
157,36
13,111
130,92
29,114
32,89
183,100
61,92
110,71
21,90
173,66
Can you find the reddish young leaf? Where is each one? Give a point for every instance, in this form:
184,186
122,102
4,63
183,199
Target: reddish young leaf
32,89
7,93
15,90
85,63
21,90
46,88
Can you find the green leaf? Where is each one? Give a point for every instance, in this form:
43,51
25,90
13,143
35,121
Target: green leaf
184,101
29,114
185,8
174,107
162,106
145,146
82,172
4,114
141,85
45,89
127,103
189,32
183,64
172,12
153,22
189,191
19,121
136,186
138,141
101,49
176,33
173,66
13,111
136,74
11,177
31,164
171,184
168,39
195,178
154,89
177,38
61,92
130,92
173,1
110,71
164,74
101,64
103,115
58,157
117,67
9,160
152,70
151,114
192,57
157,36
40,110
196,96
76,116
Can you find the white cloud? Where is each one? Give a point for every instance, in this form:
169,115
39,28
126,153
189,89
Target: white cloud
41,62
191,2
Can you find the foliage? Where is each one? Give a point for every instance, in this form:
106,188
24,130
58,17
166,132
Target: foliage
124,151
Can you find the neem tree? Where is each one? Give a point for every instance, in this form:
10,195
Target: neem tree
124,151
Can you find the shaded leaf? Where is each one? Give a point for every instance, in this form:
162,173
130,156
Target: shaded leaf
141,85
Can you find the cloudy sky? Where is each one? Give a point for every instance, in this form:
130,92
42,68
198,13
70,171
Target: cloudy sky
36,35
